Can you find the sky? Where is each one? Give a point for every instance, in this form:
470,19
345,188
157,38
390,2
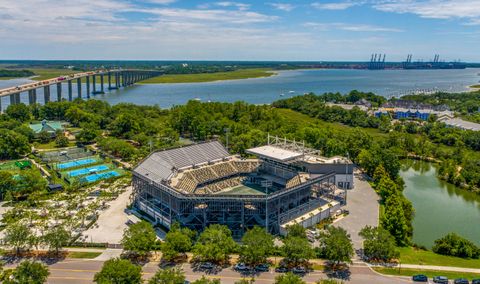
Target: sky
239,30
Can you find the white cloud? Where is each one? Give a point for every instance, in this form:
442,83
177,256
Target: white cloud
239,6
161,2
335,5
282,6
350,27
436,9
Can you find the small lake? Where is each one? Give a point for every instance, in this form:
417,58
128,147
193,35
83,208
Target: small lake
440,207
286,84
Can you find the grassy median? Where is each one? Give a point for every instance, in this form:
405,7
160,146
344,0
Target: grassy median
210,77
422,257
83,254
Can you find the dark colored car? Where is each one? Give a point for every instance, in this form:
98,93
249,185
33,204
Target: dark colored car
420,278
476,281
262,268
299,270
440,279
241,267
461,281
207,266
281,269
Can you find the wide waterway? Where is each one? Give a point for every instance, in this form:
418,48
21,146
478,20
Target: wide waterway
440,207
285,84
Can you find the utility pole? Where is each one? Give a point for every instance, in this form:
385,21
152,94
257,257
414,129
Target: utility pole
346,177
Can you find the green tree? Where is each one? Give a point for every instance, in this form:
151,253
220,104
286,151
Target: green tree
289,278
454,245
139,238
61,141
31,272
17,235
257,245
44,137
119,271
89,133
168,276
336,245
177,241
12,145
296,250
7,183
214,244
378,244
245,281
296,230
395,220
205,280
19,112
56,238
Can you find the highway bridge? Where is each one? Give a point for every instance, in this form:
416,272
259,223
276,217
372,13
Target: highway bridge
94,84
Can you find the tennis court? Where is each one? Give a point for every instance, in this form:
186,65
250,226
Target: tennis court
99,176
77,163
86,171
244,189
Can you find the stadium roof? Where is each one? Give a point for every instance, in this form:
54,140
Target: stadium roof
275,153
160,165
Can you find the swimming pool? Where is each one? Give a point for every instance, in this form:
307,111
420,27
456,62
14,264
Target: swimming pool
100,176
76,163
86,171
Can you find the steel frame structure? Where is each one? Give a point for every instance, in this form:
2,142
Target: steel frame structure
165,205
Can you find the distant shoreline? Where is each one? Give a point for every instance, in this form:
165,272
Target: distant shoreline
240,74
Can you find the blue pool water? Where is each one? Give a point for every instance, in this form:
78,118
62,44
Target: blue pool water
85,171
77,163
100,176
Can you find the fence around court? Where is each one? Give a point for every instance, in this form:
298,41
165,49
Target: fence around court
65,155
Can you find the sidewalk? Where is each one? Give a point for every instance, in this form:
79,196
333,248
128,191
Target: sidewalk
442,268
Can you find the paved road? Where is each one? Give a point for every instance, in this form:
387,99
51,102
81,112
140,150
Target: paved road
77,271
362,202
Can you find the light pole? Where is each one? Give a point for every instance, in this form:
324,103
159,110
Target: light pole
346,177
227,130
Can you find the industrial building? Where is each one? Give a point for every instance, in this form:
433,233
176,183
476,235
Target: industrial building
202,184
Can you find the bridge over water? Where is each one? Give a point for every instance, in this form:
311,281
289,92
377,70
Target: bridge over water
94,84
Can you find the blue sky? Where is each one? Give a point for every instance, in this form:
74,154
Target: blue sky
239,30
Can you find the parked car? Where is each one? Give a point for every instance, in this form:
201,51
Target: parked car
262,268
281,269
207,266
420,278
241,267
440,279
299,270
476,281
461,281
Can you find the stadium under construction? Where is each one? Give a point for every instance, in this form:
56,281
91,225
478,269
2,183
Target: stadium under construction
202,184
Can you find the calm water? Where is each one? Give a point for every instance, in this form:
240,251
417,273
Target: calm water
440,207
289,83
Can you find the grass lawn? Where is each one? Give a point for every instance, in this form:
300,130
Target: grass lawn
83,254
429,273
209,77
414,256
51,145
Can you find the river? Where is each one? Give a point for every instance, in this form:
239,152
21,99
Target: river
440,207
286,84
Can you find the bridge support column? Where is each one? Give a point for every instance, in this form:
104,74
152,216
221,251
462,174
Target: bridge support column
12,99
79,88
32,96
70,91
1,105
94,85
101,84
88,86
109,76
123,79
46,93
59,91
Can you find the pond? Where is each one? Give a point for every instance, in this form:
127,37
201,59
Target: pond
440,207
